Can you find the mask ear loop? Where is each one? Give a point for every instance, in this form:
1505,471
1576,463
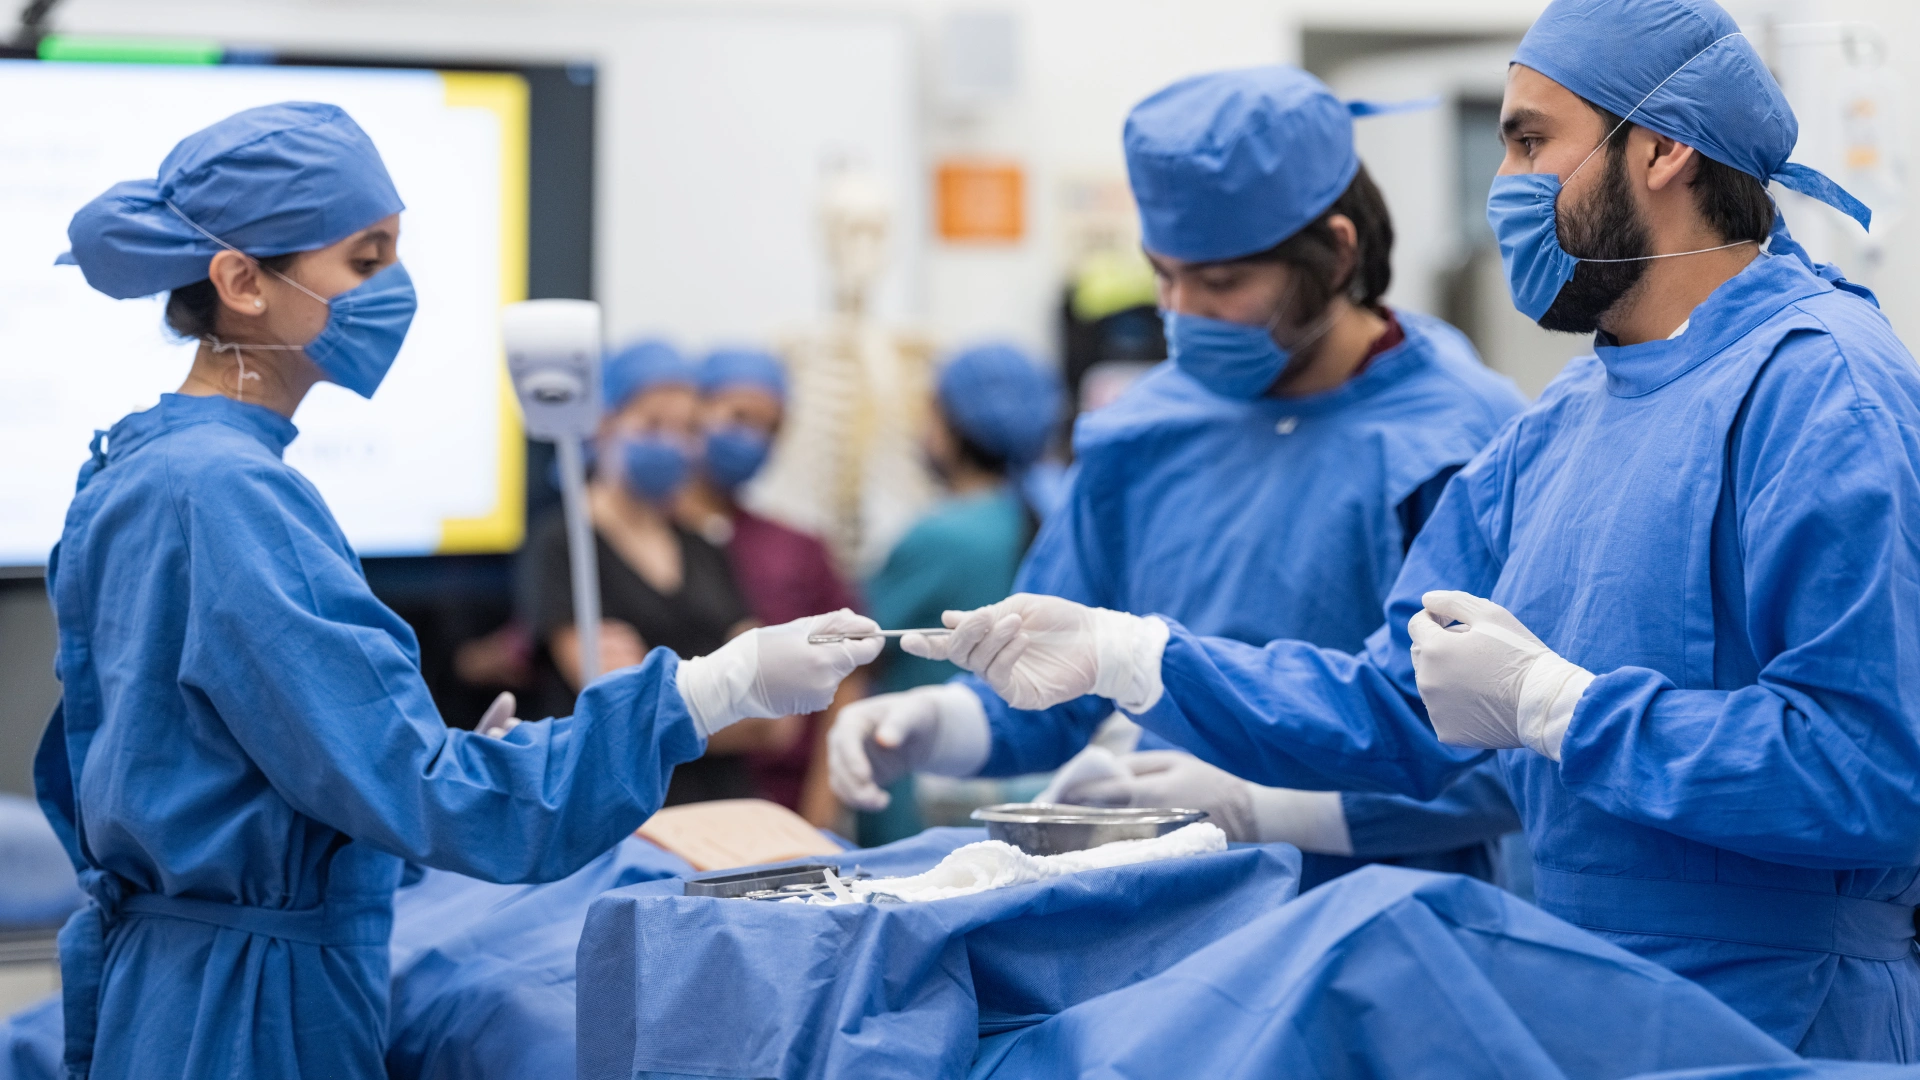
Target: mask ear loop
1623,123
1320,326
237,349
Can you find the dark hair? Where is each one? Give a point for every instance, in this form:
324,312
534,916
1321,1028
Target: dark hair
979,457
973,453
1316,251
1735,204
192,310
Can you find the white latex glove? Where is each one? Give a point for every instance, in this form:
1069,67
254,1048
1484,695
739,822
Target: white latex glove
1487,680
1038,651
1246,812
772,671
1071,781
499,718
939,729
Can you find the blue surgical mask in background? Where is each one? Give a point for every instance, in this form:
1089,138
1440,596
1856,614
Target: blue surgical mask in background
653,468
735,453
1231,359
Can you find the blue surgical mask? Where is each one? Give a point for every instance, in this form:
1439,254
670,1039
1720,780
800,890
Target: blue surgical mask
365,327
653,468
1524,212
734,453
1231,359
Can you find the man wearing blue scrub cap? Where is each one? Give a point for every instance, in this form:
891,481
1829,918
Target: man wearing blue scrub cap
1264,484
245,755
1677,595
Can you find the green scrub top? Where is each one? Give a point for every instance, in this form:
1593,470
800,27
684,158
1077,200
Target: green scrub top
963,554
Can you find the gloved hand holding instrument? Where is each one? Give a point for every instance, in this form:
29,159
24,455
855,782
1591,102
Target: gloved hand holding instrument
774,671
1038,651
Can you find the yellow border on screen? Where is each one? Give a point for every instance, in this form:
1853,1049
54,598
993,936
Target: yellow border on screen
506,97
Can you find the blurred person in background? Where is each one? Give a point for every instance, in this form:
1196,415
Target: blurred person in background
994,411
782,572
660,584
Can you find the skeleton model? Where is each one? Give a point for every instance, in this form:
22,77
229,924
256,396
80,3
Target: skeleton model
848,463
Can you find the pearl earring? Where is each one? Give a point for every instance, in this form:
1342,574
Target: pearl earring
259,303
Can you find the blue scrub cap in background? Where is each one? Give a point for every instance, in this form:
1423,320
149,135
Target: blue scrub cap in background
1681,68
743,367
270,181
642,366
1002,401
1231,163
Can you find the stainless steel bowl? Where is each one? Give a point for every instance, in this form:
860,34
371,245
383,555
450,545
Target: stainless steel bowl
1043,829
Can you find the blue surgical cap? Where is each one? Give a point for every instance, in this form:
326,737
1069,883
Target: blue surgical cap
269,181
1683,69
1232,163
743,367
640,367
1001,401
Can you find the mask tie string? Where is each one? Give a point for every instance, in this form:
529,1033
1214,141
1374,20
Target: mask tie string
239,352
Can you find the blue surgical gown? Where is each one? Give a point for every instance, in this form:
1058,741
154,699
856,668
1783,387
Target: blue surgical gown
1276,518
1725,528
1391,974
245,752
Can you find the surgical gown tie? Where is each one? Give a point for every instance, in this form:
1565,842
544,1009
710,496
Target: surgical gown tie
1779,918
83,941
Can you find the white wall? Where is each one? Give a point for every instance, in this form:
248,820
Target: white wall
1084,62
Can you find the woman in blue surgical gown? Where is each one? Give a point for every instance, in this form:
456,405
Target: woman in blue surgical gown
245,753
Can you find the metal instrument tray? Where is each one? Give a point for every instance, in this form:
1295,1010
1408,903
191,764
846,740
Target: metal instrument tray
769,880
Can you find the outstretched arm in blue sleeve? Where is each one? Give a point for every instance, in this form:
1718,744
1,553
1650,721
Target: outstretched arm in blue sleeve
1290,714
320,684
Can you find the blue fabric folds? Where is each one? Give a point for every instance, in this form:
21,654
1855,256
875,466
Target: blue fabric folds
482,976
1393,973
1723,527
674,985
1800,1070
244,754
483,984
1271,518
38,888
31,1041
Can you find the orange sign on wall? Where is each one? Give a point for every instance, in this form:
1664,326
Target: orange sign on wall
980,201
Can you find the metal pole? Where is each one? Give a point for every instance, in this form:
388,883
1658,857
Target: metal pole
581,557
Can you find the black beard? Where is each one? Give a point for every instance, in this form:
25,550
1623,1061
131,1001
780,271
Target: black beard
1608,227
